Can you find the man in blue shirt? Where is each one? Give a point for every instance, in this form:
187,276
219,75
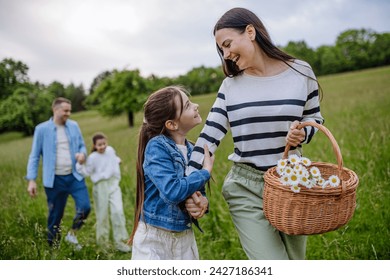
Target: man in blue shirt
60,143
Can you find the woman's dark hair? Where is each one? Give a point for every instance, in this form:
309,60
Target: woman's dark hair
160,107
97,136
239,19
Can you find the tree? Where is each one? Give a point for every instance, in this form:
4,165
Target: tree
24,109
380,50
202,80
123,91
76,95
330,60
301,51
12,74
354,45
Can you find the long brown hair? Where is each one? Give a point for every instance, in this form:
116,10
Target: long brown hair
239,19
160,107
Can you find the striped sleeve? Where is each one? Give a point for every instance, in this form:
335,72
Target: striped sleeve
312,109
213,132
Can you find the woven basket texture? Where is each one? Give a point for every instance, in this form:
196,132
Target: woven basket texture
315,210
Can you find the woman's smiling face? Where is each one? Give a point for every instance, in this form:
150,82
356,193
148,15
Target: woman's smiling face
236,46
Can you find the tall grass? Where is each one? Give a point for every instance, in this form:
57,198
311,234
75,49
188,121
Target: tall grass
355,106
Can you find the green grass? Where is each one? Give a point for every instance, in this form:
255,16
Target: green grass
356,108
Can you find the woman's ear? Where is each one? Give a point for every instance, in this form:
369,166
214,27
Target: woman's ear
251,31
171,125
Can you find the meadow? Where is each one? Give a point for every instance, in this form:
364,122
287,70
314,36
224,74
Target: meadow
356,109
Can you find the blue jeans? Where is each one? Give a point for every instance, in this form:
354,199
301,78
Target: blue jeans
56,200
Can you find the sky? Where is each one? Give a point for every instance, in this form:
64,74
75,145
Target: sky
73,41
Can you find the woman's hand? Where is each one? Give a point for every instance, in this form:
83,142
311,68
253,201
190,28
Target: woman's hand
208,160
295,136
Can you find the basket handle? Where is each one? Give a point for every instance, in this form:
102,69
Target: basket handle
336,148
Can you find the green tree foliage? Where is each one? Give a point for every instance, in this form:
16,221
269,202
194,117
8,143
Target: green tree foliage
354,46
302,51
380,50
201,80
25,108
25,104
12,74
121,92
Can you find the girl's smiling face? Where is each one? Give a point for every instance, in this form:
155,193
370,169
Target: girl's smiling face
101,145
190,115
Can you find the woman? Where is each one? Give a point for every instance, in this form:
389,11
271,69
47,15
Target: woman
265,94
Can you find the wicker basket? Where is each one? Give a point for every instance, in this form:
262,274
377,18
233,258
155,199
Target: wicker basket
316,210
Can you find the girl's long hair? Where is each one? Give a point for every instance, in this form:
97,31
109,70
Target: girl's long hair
160,107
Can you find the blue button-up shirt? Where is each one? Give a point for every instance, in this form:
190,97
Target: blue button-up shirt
45,145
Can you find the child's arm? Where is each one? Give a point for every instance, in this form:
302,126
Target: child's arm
84,168
197,204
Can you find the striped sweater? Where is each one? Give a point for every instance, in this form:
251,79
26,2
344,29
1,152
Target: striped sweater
259,112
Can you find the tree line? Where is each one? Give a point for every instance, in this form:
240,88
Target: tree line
24,103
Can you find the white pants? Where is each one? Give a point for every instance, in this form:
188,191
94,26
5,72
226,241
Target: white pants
108,199
151,243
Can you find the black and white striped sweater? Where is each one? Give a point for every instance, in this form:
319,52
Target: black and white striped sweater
259,112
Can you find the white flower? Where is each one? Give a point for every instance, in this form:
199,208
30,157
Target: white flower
282,163
295,189
297,168
284,180
288,170
294,159
293,179
280,170
305,181
320,181
305,161
295,173
315,172
334,181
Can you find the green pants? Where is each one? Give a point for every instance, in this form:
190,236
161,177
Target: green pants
243,192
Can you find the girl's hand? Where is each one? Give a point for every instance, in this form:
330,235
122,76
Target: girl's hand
208,160
197,205
295,136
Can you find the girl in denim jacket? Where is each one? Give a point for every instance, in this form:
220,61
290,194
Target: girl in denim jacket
162,225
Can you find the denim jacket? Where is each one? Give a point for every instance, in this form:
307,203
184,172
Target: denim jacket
45,145
166,185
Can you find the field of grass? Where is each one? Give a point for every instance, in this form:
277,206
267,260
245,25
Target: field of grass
356,108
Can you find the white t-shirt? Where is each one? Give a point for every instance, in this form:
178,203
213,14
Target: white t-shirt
63,158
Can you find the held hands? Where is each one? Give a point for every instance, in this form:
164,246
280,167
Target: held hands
80,157
197,205
295,136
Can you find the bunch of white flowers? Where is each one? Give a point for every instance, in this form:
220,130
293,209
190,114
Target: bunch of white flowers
296,171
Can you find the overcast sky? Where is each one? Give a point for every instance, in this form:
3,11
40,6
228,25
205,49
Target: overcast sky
75,40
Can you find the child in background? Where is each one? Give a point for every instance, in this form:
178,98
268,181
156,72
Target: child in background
162,225
102,166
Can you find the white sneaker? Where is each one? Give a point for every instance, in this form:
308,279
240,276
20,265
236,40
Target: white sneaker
72,239
123,247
